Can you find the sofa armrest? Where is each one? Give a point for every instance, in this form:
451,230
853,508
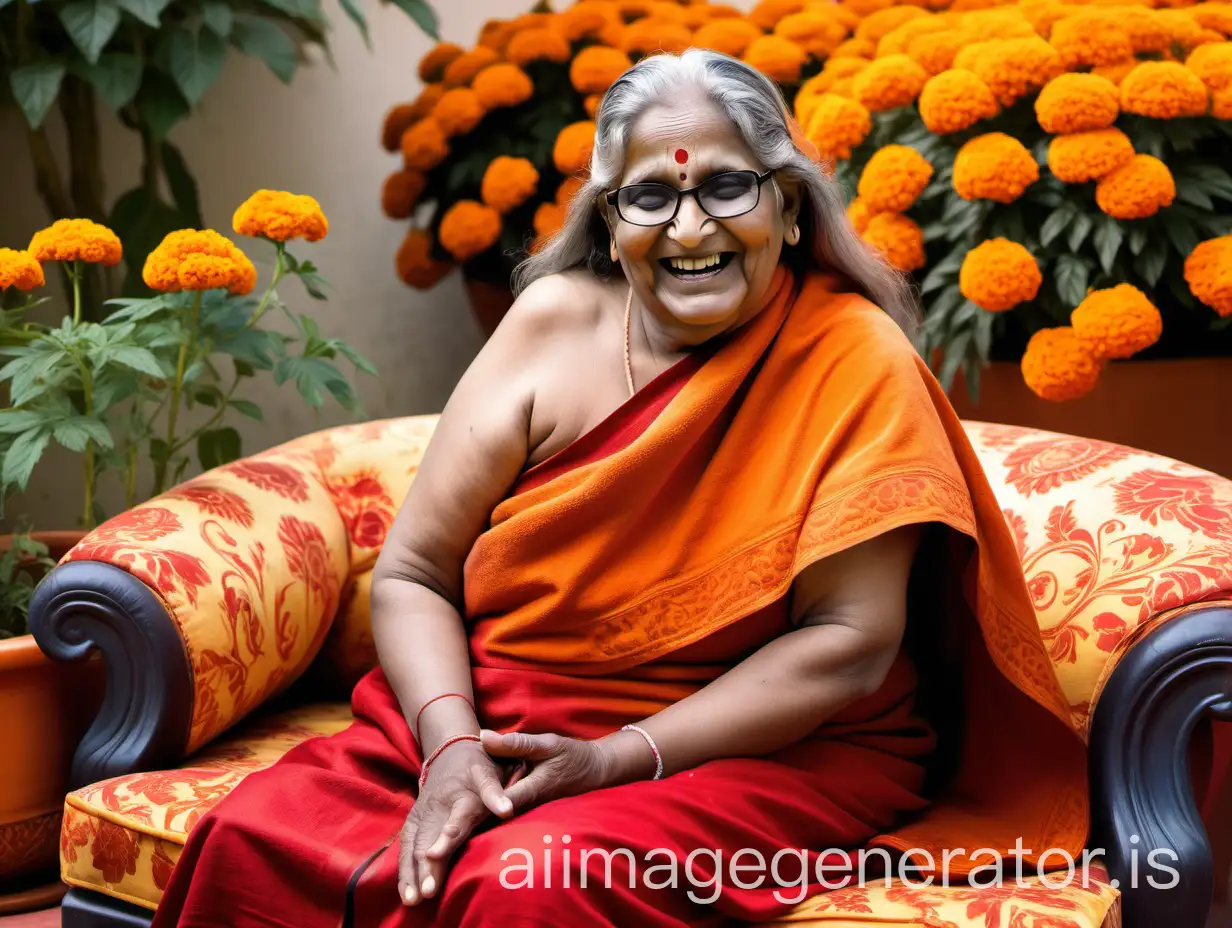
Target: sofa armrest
205,602
1165,682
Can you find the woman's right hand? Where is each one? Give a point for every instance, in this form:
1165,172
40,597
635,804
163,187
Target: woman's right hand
462,787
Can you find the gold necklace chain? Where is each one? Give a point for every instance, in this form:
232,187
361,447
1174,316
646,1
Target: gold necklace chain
628,359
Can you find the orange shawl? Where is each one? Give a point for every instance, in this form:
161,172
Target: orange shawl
811,428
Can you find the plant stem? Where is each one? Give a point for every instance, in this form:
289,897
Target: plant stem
130,481
177,388
75,275
205,426
87,389
279,270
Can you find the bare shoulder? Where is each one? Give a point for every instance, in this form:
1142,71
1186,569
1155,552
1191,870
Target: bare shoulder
558,305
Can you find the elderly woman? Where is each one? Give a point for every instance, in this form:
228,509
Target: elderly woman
650,617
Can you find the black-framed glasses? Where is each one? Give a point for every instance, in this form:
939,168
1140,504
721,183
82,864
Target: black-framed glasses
721,196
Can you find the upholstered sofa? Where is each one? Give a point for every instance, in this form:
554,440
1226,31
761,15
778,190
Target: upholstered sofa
232,613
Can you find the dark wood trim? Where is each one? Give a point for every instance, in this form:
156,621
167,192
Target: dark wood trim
144,720
1139,765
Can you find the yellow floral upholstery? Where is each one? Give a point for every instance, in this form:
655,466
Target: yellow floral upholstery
122,836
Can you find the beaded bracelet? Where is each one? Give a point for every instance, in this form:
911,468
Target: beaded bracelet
653,747
434,699
423,772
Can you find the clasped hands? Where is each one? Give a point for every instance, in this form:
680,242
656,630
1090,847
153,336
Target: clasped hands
464,786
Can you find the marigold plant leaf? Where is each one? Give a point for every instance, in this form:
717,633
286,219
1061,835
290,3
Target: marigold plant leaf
148,11
263,39
90,24
116,77
423,15
196,57
35,87
218,17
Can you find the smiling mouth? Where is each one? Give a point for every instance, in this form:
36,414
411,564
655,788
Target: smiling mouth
699,268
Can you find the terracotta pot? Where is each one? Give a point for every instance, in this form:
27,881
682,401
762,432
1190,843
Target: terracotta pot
489,303
1172,407
45,708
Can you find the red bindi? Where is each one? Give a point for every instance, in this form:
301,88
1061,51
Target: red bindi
681,156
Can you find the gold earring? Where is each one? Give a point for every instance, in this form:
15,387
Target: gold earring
794,235
614,253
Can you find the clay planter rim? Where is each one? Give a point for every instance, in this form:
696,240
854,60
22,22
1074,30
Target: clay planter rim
22,652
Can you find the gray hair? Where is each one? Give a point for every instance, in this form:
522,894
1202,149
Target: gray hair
756,108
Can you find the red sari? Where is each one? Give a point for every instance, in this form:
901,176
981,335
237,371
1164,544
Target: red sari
632,568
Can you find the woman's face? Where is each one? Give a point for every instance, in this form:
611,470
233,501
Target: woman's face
695,273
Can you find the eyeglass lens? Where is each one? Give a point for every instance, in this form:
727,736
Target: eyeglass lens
722,196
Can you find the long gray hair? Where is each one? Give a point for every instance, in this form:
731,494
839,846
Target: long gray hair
756,108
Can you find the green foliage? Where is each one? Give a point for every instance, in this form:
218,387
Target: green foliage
21,567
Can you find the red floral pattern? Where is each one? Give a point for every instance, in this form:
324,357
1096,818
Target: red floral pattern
1199,502
215,501
366,508
273,476
114,851
1040,466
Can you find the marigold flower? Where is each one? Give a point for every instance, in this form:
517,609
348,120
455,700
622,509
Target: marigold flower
495,34
729,36
1014,68
398,119
432,64
76,240
994,166
508,183
281,216
549,218
537,45
1221,104
856,10
401,192
1116,73
18,269
571,153
894,178
1077,103
1146,31
955,100
1090,38
837,125
877,25
778,58
424,145
567,190
1213,65
808,94
1042,14
935,52
502,84
998,274
854,48
1183,29
816,33
1084,156
596,68
1163,90
1057,366
469,228
458,111
414,262
1208,271
898,238
1005,22
1137,189
859,214
1117,322
647,36
462,70
1215,16
898,40
836,69
843,88
198,260
586,19
895,80
768,12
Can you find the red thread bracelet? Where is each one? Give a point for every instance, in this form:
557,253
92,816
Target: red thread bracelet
434,699
423,772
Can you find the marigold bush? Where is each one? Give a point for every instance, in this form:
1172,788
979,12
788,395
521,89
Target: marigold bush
1077,103
999,274
893,179
1057,366
76,240
1084,156
994,167
19,270
955,100
1208,271
1137,189
1117,322
1163,90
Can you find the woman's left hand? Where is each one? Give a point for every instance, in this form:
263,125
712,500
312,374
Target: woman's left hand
560,766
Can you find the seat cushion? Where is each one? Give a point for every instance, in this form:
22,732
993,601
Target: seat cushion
122,836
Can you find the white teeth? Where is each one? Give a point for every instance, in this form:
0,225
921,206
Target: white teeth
694,264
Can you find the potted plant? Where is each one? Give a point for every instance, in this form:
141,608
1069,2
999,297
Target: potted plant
158,380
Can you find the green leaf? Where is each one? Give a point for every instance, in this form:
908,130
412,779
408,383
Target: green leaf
265,40
247,408
217,16
309,10
315,284
1056,223
422,14
1072,274
1137,238
35,87
1192,193
75,432
182,185
196,57
160,103
1151,263
90,24
13,421
142,220
116,77
138,359
1079,229
217,447
955,351
1181,233
22,455
1107,240
361,363
148,11
356,15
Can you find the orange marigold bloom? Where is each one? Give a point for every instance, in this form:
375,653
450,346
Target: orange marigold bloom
537,45
571,153
859,214
424,145
898,239
1091,38
432,64
778,58
648,36
877,25
1117,322
994,167
198,260
508,183
1146,31
768,12
462,70
955,100
1221,104
415,264
400,192
1137,189
1115,72
854,48
836,69
1057,366
76,240
898,40
458,111
837,125
1215,16
396,122
18,269
1014,68
1183,29
812,30
858,9
502,84
729,36
469,228
935,52
1077,103
1084,156
549,217
894,178
591,104
586,19
843,88
567,189
596,68
495,34
1163,90
1208,271
968,54
999,274
895,80
1042,14
1000,23
1213,65
281,216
